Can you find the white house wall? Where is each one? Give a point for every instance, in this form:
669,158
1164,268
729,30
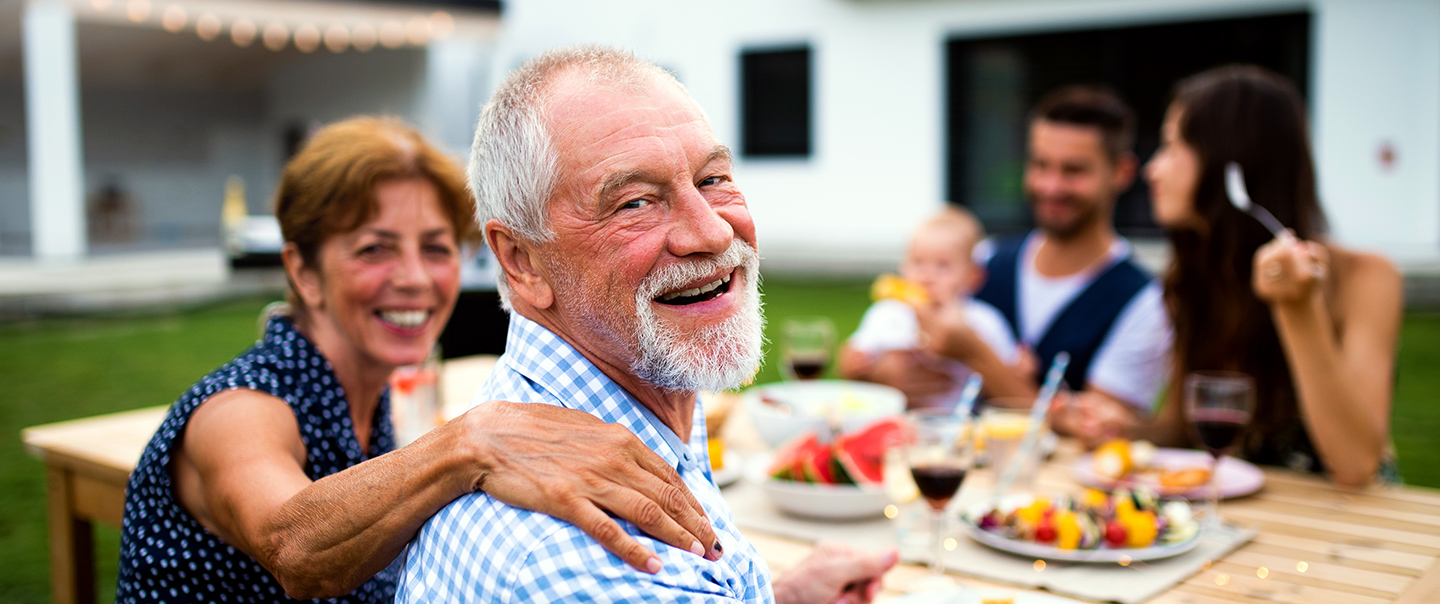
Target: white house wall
1377,83
878,91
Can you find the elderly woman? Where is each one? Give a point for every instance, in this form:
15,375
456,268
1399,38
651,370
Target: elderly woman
274,476
1315,324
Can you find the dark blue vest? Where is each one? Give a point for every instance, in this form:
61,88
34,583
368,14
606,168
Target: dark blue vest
1081,326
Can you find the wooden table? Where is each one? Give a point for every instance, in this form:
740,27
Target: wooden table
1372,546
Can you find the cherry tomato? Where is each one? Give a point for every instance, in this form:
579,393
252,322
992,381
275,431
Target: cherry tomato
1045,532
1115,533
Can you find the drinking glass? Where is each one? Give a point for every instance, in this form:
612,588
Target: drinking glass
1002,428
415,399
805,347
939,455
1219,405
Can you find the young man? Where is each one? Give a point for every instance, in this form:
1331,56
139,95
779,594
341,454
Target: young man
1071,284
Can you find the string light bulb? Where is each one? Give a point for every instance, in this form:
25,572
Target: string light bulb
174,18
242,32
441,24
207,27
337,38
417,31
363,38
275,36
392,34
307,38
138,11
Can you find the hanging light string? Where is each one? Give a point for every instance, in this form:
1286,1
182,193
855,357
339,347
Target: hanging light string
244,28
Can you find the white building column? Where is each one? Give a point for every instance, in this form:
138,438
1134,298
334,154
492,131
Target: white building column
52,121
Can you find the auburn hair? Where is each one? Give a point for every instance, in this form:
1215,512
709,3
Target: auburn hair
1253,117
328,188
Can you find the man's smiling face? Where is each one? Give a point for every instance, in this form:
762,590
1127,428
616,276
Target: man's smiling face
653,262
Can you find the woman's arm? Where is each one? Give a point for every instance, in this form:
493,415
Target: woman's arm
1343,385
239,469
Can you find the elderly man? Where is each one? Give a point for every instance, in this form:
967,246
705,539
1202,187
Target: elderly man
630,270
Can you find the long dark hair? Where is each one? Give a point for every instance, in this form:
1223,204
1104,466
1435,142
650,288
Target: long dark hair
1248,115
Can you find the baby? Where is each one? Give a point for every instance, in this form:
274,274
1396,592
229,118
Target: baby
888,348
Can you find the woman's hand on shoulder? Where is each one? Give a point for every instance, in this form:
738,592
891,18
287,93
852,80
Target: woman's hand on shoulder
1289,271
573,466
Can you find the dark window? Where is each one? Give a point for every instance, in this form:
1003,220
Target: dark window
775,102
993,83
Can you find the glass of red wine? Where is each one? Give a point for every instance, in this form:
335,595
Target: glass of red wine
939,454
805,347
1219,405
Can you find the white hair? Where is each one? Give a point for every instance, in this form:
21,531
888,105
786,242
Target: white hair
513,161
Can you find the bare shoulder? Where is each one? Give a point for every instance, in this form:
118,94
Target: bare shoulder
1370,289
1367,277
241,419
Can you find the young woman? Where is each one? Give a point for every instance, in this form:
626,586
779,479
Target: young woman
276,474
1314,324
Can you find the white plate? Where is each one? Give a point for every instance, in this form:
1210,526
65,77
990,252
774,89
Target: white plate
785,410
1236,477
1031,549
823,501
732,471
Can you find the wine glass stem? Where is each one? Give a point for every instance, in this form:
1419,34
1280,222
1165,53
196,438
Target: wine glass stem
1215,492
937,518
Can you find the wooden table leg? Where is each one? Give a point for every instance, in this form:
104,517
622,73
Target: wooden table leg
72,547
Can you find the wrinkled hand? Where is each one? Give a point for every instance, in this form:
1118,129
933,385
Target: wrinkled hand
834,573
1289,271
911,372
571,465
1091,417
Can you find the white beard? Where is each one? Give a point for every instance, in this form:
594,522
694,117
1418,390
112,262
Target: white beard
718,357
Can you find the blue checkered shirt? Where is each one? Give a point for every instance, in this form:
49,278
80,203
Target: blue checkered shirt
478,549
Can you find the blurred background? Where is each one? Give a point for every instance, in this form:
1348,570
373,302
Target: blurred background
141,140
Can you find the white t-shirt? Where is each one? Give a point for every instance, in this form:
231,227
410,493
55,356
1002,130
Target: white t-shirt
1133,361
891,325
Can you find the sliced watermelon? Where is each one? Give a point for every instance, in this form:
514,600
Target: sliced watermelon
862,453
838,469
816,462
788,463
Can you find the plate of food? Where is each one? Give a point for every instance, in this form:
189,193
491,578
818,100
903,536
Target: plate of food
1099,527
1169,472
838,480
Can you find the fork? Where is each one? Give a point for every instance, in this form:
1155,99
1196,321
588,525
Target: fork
1240,198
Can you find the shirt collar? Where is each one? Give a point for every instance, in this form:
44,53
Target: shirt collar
558,369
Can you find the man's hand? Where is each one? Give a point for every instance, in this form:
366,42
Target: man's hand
834,573
912,372
532,458
1092,417
944,331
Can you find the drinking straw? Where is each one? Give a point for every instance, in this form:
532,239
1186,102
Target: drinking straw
1037,419
968,396
967,402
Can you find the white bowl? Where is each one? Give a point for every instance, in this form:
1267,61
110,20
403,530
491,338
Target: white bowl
823,501
806,405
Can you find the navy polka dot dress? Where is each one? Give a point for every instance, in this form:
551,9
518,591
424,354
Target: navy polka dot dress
165,555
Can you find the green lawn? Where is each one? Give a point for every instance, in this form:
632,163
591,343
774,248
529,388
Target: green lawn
54,370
